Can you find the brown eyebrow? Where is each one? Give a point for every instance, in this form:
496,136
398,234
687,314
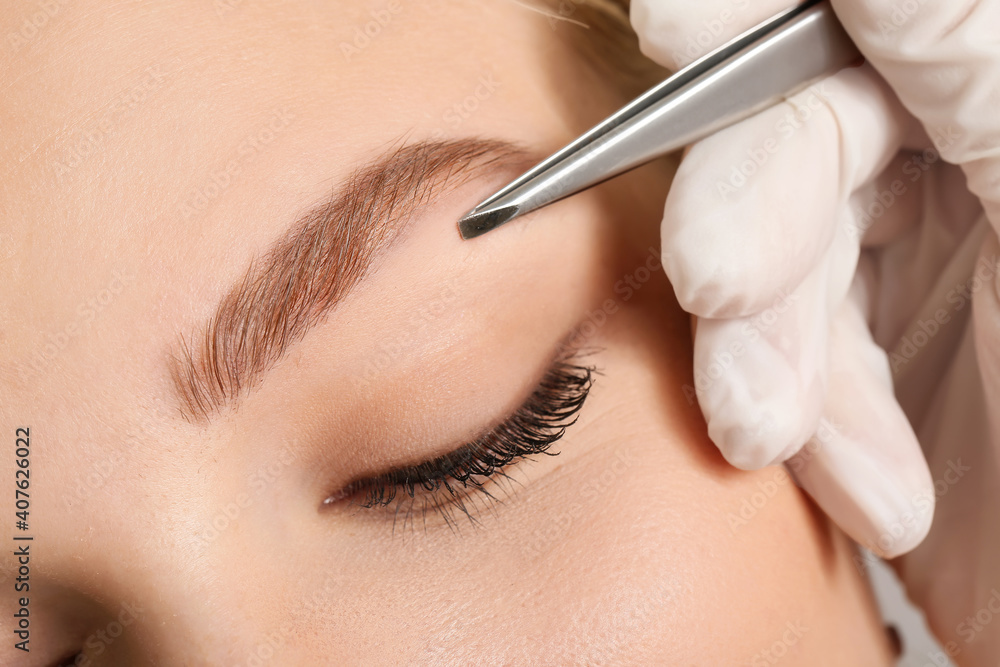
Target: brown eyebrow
315,263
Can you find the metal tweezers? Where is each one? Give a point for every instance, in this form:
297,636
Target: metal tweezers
756,70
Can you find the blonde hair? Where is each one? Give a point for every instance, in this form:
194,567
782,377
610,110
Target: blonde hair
602,34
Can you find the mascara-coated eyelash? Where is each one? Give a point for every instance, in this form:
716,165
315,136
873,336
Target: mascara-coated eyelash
447,483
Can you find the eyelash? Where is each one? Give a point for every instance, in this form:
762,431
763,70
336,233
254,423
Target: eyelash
448,482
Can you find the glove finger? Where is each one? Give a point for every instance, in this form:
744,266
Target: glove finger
675,32
864,465
942,59
760,379
735,232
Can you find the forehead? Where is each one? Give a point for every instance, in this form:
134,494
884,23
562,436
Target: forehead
100,95
154,149
165,103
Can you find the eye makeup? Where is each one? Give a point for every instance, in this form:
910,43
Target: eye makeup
464,479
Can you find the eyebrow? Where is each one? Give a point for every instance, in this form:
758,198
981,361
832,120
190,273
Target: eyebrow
295,283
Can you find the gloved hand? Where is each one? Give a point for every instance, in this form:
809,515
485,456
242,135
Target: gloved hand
831,249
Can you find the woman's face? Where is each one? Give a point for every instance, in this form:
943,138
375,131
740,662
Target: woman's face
242,327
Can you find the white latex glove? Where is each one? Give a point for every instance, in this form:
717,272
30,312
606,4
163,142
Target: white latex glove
816,236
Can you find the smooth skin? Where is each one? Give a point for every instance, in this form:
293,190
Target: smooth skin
623,549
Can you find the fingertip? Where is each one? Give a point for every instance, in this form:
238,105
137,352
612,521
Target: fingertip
756,444
887,509
910,538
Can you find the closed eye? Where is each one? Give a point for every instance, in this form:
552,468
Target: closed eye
465,480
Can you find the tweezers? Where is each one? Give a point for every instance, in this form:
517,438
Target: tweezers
756,70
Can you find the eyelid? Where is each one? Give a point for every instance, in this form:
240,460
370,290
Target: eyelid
446,482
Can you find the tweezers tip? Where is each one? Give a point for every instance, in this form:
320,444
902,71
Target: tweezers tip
477,223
